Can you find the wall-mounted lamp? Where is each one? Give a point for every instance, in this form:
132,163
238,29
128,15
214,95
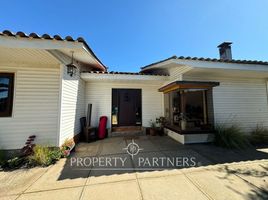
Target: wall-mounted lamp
71,68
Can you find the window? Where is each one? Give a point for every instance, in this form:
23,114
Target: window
6,94
188,105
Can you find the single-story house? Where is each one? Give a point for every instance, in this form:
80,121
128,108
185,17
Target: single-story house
47,82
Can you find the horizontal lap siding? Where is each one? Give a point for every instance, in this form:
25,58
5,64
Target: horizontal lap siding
36,106
72,106
175,73
239,101
100,95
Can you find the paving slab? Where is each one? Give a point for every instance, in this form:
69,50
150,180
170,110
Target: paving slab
166,143
112,146
219,155
113,177
63,194
169,188
155,174
144,143
187,158
252,153
60,175
149,161
111,140
254,173
121,190
86,149
12,197
15,182
221,185
115,173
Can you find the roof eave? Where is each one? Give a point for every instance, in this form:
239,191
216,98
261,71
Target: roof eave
100,65
156,63
183,59
102,76
46,42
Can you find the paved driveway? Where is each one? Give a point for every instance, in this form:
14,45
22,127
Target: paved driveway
217,174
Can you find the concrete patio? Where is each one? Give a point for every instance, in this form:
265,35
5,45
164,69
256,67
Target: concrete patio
218,174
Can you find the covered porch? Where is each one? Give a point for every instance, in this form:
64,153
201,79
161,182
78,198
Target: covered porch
129,100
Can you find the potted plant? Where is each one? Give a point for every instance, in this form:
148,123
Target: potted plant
153,129
161,121
67,147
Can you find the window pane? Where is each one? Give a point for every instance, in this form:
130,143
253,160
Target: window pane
175,107
194,107
6,94
167,107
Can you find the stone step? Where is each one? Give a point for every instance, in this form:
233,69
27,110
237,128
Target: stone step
126,128
127,133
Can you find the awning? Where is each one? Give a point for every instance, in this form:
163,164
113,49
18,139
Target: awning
188,85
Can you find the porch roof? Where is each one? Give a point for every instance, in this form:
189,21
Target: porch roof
60,48
188,85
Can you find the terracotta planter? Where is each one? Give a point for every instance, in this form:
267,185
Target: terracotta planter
153,131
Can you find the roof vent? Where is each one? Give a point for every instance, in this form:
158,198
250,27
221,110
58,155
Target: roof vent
225,51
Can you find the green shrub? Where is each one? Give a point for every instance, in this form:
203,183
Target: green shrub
15,162
230,137
259,135
44,155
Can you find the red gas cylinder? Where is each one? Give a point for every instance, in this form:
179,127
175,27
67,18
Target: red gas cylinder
102,127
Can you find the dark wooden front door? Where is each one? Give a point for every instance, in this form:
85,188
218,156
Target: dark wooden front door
127,104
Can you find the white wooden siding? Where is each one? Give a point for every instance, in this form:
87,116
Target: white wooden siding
72,105
175,73
100,95
239,101
35,110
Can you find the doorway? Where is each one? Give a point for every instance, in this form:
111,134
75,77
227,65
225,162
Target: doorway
126,107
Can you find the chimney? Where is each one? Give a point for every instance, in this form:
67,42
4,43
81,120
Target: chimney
225,51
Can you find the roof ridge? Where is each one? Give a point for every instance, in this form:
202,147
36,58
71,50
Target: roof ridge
258,62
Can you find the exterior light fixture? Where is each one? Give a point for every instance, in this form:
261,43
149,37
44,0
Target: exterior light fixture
71,68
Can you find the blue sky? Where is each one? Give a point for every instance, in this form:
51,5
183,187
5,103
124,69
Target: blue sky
128,34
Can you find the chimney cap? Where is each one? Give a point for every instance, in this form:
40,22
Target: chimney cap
225,44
